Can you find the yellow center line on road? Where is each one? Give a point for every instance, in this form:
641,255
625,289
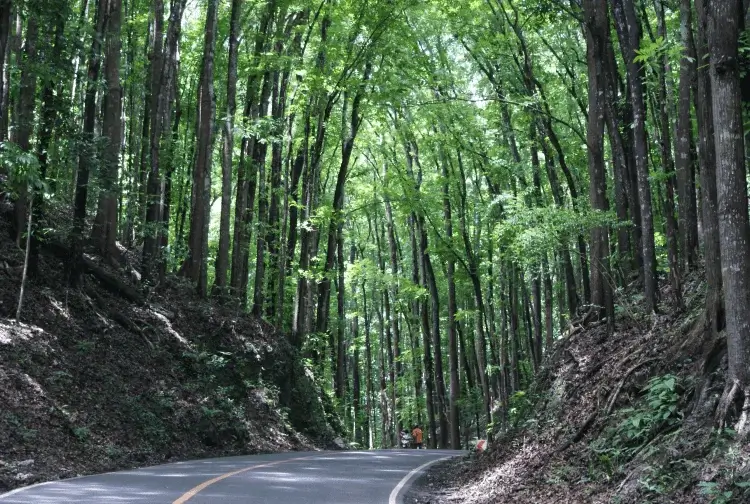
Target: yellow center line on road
199,488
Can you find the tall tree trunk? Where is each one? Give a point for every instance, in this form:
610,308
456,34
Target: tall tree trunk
548,318
49,109
87,157
340,373
668,206
6,10
356,381
322,105
164,73
734,226
368,370
629,33
515,309
472,266
26,110
455,392
104,232
393,256
195,266
688,215
227,148
597,34
708,179
347,146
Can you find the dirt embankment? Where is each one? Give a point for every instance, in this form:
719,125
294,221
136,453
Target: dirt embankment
92,381
621,418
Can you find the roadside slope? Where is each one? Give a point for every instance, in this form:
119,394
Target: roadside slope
92,381
622,418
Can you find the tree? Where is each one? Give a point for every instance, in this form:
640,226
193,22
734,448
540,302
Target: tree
195,266
597,35
734,225
227,148
104,232
629,33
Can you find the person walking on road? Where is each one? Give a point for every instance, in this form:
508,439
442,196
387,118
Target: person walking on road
416,433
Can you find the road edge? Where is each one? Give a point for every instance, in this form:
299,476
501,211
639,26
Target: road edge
395,497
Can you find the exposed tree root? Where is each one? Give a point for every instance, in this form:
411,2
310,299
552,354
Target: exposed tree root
727,399
108,280
616,393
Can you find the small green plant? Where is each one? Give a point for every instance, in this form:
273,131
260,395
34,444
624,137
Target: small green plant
659,412
84,346
715,493
114,451
82,434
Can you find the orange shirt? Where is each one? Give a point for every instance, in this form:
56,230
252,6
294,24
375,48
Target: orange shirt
417,435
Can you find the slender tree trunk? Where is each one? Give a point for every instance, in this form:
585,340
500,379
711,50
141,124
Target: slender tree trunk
629,33
195,266
668,205
104,233
26,112
597,34
455,392
44,134
708,179
324,291
514,329
227,148
688,216
6,10
340,374
164,73
356,381
393,256
86,158
368,370
619,162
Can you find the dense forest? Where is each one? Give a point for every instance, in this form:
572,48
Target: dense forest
423,195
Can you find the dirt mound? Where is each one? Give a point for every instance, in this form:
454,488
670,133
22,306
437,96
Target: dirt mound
91,381
612,418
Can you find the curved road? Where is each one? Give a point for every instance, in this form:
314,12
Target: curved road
352,477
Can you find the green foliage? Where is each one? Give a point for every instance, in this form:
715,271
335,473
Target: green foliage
22,168
85,346
82,434
656,412
659,412
715,493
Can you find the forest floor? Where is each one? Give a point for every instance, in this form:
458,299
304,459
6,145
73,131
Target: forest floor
91,381
621,418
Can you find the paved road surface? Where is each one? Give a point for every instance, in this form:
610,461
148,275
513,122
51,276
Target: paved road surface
355,477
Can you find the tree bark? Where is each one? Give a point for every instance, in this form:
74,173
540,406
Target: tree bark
347,146
688,215
629,33
668,205
227,148
26,110
164,73
708,179
597,34
86,158
455,391
195,266
6,11
734,225
104,232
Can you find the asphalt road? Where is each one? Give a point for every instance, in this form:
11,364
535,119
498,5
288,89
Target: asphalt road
354,477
